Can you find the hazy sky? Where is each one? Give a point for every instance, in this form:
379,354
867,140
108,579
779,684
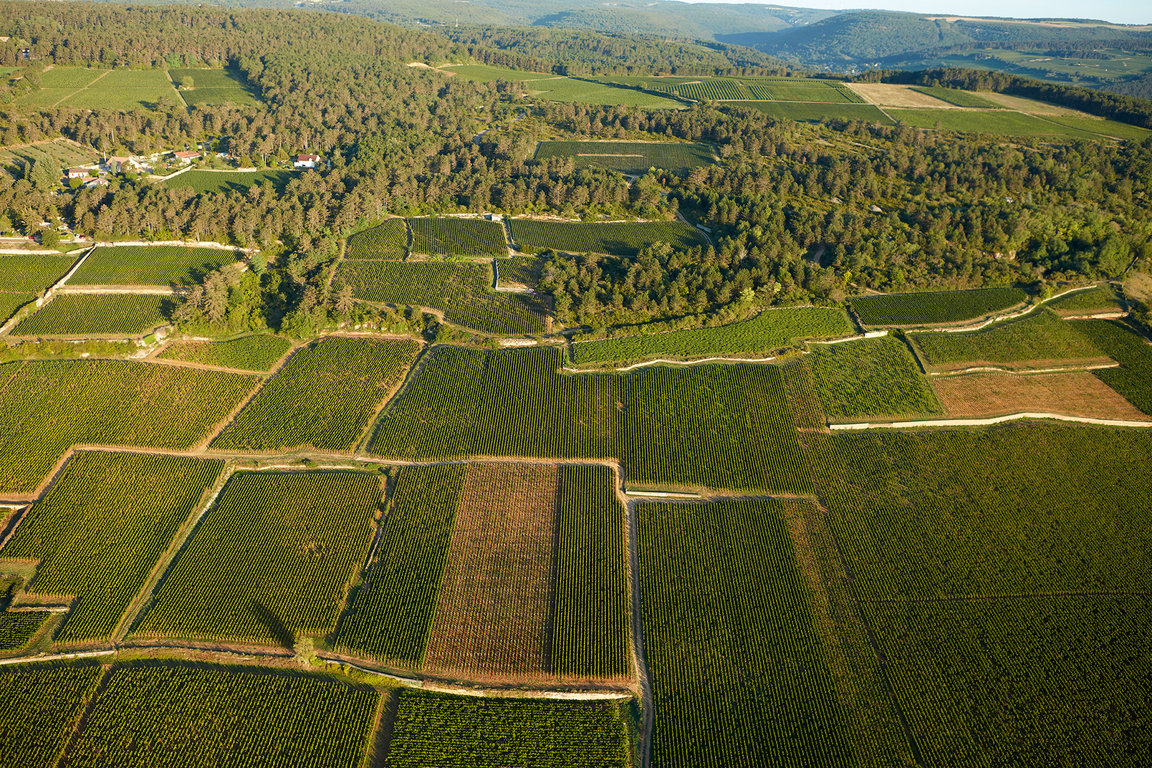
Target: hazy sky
1119,11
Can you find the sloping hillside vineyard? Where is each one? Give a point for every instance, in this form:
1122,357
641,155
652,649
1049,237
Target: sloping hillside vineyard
582,384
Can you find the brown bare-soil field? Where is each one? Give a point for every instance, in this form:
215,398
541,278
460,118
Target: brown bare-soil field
492,619
1074,393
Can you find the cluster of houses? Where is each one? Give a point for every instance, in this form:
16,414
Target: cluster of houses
116,165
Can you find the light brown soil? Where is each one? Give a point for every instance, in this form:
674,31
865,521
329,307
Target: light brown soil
1076,393
1138,285
492,617
888,95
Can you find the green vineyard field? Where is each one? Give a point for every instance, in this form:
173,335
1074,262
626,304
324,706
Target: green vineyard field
31,273
1102,298
934,307
41,706
247,353
10,302
150,265
389,242
1133,379
873,378
97,315
448,236
957,97
618,238
631,157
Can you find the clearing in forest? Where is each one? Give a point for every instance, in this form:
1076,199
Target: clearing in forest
150,265
1074,393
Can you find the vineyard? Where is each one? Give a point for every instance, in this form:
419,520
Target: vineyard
770,330
871,379
168,716
817,111
1075,393
201,181
271,561
792,89
436,731
957,97
631,157
247,353
590,621
619,238
458,237
390,613
41,706
49,406
17,628
150,265
10,302
739,677
1102,298
289,412
1038,340
934,307
462,291
389,242
31,273
88,548
492,616
97,315
1133,378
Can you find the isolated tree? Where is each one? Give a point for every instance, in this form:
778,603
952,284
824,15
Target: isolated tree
344,301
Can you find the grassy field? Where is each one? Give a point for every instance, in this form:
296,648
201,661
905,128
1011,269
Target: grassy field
770,330
49,406
587,92
41,706
111,89
439,731
957,97
1133,378
271,561
289,412
1003,122
150,265
1094,125
31,273
1036,340
462,291
97,315
389,241
458,237
247,353
200,181
874,378
738,673
631,157
816,112
618,238
212,87
934,307
390,612
88,548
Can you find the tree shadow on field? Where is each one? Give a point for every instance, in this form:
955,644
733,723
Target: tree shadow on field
274,625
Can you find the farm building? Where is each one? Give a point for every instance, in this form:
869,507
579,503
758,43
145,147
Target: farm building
305,161
77,173
116,164
187,155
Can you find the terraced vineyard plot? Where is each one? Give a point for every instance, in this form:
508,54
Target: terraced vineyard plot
1102,298
589,92
437,731
288,412
739,675
492,616
957,97
1042,681
1075,393
1018,509
247,353
458,237
801,90
17,628
150,265
156,715
86,544
618,238
271,561
770,330
1038,340
870,379
200,181
1133,378
388,241
31,273
390,613
816,112
41,706
463,292
934,307
631,157
10,302
711,90
590,618
97,315
48,406
213,87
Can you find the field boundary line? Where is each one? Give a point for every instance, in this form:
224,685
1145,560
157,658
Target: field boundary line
56,657
184,243
1022,371
664,361
990,421
97,79
120,290
262,381
172,82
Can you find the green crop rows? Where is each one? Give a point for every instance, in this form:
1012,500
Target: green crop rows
436,731
770,330
389,241
213,86
200,181
247,353
811,112
934,307
49,406
590,621
1035,340
390,614
739,677
17,628
288,412
716,426
458,237
31,273
802,90
1102,298
10,302
272,560
619,238
633,157
872,378
168,716
41,706
96,314
150,265
88,547
1133,379
463,292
